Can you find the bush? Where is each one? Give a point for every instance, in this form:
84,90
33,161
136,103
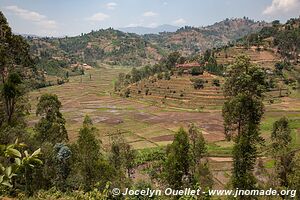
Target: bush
147,91
167,76
198,83
160,76
127,93
180,72
216,82
196,71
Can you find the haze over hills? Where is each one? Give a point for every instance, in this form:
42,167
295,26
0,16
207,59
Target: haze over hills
141,30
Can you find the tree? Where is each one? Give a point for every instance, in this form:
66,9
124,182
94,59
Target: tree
62,164
15,64
88,153
197,146
135,75
294,176
51,127
281,139
177,162
242,113
122,155
172,59
11,92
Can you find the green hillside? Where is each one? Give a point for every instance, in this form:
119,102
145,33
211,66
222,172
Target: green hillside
59,56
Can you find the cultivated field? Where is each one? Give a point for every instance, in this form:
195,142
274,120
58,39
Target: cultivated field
149,122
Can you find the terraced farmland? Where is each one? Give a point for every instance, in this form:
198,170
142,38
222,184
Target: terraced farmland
264,57
144,124
179,92
150,121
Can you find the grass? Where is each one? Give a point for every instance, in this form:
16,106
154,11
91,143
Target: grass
218,151
269,164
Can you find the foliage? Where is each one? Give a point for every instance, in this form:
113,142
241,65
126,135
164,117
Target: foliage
144,156
196,71
88,154
281,139
163,69
122,156
51,127
242,113
177,163
21,165
286,38
183,166
198,83
62,163
294,175
216,82
197,146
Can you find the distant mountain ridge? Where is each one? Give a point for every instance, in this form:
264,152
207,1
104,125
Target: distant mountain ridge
141,30
115,47
191,40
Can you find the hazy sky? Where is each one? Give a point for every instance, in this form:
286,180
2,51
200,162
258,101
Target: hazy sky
72,17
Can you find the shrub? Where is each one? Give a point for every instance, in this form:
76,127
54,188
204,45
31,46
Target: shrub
127,93
147,91
198,83
160,76
197,71
216,82
167,76
180,72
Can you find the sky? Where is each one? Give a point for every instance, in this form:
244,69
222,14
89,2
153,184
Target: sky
73,17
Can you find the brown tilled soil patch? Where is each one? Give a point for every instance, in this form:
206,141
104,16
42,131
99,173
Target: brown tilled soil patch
163,138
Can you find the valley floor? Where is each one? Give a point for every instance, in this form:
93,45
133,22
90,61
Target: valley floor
146,125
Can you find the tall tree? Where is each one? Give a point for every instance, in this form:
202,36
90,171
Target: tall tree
88,153
294,176
177,163
197,146
281,139
15,63
51,127
242,113
11,92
